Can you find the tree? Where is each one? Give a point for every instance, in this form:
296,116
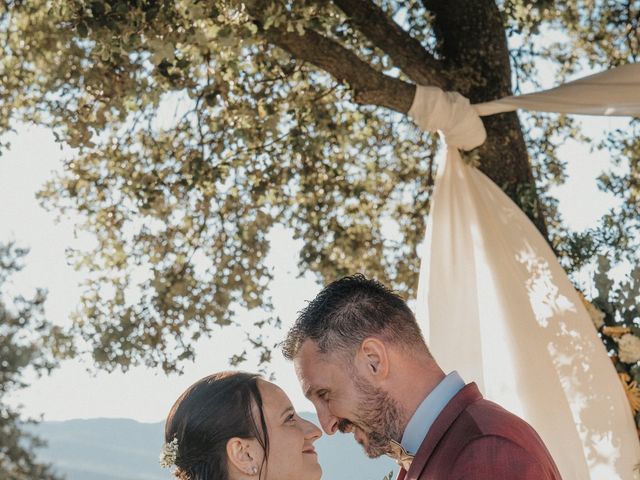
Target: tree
289,113
24,346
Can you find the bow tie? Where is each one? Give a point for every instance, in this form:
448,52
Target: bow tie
399,454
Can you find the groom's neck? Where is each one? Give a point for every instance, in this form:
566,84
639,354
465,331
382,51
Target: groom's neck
415,376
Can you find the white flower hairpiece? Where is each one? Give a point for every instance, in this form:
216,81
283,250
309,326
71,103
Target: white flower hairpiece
169,454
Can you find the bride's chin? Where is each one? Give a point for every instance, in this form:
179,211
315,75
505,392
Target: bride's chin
315,472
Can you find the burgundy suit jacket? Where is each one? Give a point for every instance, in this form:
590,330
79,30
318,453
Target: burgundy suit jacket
475,439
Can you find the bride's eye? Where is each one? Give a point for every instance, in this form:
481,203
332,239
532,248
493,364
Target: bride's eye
291,417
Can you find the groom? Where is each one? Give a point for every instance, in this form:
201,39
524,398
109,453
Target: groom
361,359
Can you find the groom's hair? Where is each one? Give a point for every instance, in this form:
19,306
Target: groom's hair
349,310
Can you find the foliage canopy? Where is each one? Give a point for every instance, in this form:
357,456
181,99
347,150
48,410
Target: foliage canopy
199,125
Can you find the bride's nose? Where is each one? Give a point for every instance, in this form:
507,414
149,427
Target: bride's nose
312,432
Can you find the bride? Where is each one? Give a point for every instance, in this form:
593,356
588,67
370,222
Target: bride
235,426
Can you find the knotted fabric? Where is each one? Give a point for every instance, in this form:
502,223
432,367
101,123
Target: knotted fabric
495,304
449,113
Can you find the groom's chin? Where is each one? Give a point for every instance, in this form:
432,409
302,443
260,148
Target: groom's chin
371,451
374,453
374,449
371,455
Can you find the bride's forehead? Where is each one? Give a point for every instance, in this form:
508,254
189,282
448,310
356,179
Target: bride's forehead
271,392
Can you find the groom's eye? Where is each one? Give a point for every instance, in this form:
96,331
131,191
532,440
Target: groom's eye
322,394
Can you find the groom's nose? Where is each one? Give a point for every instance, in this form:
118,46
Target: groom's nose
328,421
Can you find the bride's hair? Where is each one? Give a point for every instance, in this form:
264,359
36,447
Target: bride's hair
208,414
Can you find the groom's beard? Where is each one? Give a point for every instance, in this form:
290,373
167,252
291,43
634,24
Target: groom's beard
380,420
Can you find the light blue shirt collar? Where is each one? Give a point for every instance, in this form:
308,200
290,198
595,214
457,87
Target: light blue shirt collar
428,411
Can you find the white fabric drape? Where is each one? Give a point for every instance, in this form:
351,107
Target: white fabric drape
495,304
612,92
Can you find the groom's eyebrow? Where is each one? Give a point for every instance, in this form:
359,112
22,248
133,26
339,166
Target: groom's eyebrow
308,391
313,391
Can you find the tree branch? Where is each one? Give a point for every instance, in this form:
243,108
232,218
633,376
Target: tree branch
405,51
370,86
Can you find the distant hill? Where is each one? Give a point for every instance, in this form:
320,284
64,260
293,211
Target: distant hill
122,449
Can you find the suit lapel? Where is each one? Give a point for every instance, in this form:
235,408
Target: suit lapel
465,397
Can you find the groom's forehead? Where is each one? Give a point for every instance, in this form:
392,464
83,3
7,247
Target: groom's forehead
306,377
312,367
308,352
307,359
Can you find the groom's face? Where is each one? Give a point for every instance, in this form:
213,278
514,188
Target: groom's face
346,401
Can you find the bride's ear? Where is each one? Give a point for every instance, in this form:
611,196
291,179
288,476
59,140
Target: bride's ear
245,455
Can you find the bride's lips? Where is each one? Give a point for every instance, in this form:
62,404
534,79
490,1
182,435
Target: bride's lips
310,450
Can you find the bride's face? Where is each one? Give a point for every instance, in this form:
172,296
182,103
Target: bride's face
291,452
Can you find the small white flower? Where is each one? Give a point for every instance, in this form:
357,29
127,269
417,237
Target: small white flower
169,454
628,348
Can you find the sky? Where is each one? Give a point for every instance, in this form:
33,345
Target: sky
144,394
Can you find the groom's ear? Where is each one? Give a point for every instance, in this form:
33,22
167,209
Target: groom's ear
375,357
244,454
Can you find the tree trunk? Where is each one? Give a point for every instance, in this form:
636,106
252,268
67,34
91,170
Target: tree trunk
473,48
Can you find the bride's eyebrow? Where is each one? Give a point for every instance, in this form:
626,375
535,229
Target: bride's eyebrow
287,410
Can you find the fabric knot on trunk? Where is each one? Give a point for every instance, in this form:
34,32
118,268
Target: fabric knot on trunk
449,113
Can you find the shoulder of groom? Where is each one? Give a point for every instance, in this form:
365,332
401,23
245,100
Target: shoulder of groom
493,457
